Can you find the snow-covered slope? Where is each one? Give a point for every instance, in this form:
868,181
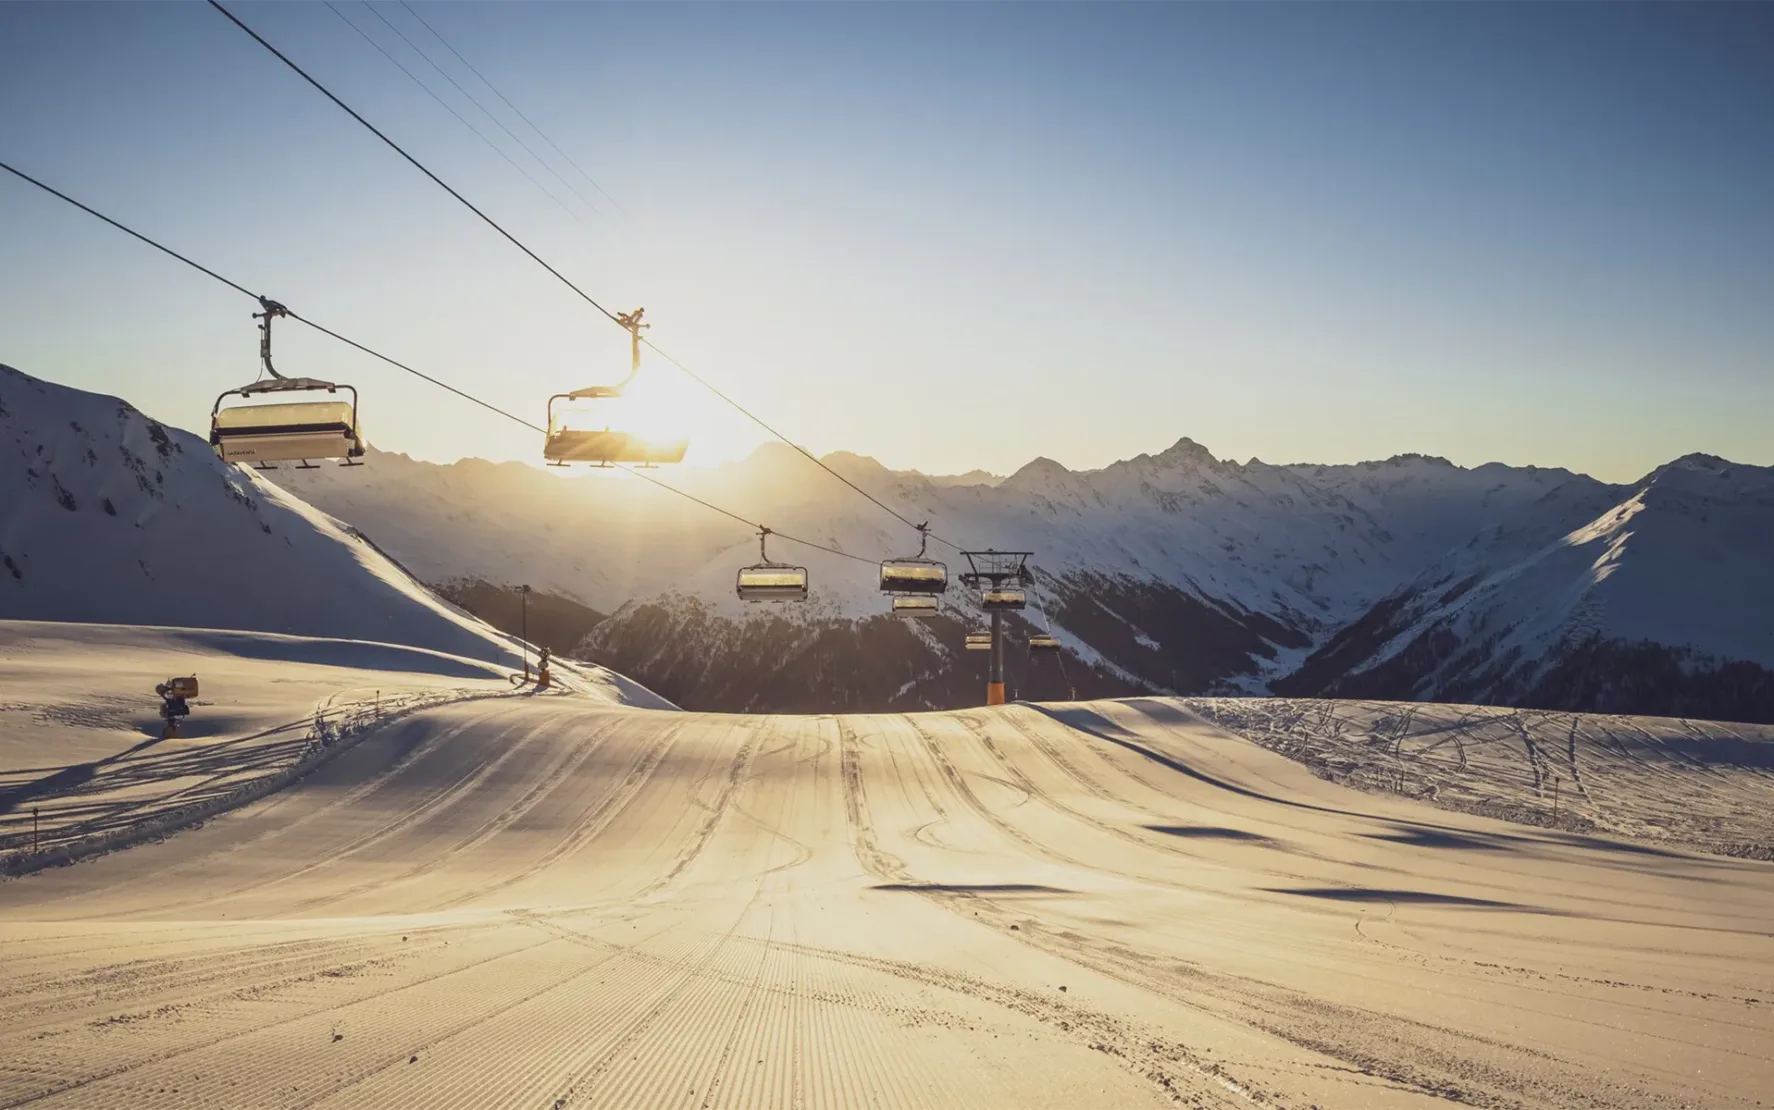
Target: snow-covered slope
1665,594
108,516
532,903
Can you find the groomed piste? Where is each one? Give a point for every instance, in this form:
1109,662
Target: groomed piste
532,900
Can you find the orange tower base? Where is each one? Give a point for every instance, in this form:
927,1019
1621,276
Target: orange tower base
994,693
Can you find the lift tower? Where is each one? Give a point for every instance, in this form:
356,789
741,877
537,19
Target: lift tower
999,576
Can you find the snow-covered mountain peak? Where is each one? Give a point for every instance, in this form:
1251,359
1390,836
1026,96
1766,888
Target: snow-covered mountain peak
1040,475
777,464
857,468
1697,460
1184,457
971,478
1186,452
1414,460
1710,477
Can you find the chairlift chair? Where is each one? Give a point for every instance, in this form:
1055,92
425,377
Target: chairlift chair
979,641
915,607
285,431
602,446
1002,599
768,581
911,576
1041,643
915,575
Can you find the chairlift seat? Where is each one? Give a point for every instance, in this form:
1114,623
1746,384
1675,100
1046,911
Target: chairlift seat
772,582
1043,643
286,431
570,445
914,576
1001,600
915,606
601,445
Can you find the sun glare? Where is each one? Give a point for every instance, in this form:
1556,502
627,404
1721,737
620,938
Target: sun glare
661,404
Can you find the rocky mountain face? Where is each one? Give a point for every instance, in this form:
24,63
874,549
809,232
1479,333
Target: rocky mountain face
1174,572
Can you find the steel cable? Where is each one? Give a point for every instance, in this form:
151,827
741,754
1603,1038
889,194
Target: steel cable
587,298
372,352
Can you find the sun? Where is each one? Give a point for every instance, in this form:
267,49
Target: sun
662,404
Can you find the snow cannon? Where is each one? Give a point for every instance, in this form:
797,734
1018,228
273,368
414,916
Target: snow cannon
173,706
185,687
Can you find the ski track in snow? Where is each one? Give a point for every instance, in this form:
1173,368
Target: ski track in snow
1694,784
565,902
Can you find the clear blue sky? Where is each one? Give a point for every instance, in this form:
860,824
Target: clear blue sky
945,236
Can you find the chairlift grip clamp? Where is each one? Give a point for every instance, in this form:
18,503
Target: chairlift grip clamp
271,309
632,322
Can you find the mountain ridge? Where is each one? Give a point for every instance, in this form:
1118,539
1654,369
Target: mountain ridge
1179,572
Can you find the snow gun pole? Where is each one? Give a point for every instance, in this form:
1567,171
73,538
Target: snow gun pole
995,675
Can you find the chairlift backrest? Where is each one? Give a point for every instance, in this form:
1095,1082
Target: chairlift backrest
915,606
1043,643
284,431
